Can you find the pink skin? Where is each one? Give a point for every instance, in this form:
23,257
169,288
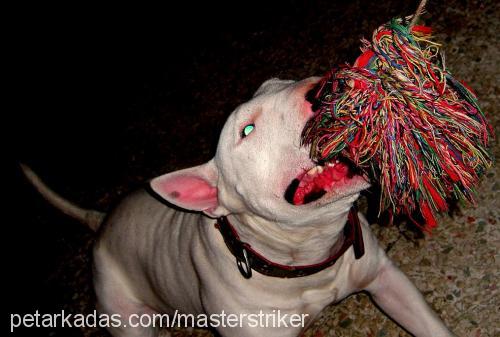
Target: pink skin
331,179
190,190
306,110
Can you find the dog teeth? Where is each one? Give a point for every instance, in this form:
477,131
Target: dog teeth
315,170
332,164
312,171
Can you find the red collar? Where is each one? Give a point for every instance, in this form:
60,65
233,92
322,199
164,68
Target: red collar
247,258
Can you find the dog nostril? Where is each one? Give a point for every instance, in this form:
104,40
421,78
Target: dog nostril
311,98
311,94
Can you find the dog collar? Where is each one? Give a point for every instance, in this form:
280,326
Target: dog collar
247,258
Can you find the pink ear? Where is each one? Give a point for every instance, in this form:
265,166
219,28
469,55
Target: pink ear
192,188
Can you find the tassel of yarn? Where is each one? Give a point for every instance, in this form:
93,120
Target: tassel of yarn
400,116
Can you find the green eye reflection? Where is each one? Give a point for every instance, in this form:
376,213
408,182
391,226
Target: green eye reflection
247,130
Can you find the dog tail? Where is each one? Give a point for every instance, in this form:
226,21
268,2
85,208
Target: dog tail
91,218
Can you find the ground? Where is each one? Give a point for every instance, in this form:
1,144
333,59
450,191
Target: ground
105,103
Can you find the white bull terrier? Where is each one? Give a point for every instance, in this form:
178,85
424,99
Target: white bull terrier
257,231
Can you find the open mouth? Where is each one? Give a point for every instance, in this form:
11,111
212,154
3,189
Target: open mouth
318,181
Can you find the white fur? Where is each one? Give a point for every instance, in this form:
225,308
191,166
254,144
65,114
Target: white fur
152,258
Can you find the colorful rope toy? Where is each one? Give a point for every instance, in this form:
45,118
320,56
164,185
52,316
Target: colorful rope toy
399,116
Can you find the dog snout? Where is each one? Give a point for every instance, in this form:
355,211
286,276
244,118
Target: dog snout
302,92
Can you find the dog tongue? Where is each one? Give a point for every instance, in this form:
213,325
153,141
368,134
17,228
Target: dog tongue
319,180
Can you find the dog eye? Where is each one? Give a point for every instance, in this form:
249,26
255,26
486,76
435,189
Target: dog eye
247,130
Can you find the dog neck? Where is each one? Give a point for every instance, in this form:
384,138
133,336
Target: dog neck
291,245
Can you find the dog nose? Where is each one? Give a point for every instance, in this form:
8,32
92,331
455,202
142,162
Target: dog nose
307,109
305,93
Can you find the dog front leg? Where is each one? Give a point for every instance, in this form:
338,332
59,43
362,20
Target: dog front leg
402,301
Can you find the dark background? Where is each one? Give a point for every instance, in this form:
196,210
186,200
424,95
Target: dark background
103,98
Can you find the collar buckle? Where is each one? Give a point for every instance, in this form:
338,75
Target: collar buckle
247,258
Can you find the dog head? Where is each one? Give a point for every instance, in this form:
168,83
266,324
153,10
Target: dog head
261,168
